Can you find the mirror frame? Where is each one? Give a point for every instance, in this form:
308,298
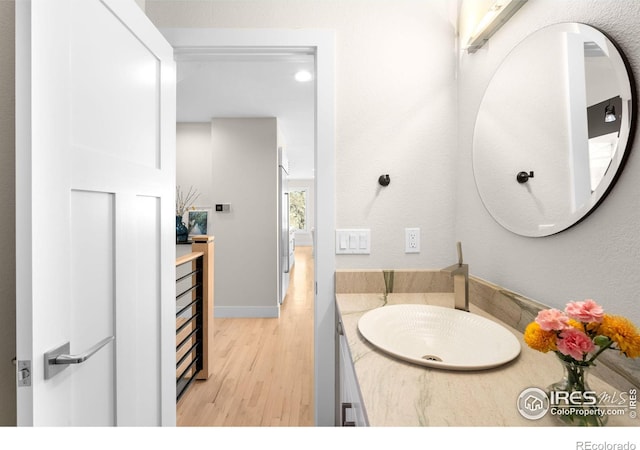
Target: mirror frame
602,191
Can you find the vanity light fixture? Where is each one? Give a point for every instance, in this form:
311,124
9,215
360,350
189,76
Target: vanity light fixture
610,114
495,17
302,76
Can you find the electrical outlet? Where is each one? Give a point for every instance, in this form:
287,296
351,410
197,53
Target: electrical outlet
412,240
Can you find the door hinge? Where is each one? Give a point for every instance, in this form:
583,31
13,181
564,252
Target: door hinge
24,373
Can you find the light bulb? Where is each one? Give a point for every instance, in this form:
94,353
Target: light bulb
303,76
609,114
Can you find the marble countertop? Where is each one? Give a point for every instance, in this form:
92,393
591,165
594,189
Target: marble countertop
397,393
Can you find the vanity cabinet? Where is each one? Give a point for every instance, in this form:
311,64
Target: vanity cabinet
350,410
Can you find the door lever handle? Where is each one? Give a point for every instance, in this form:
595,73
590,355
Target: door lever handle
82,357
58,359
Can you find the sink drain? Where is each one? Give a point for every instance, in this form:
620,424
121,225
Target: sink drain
432,358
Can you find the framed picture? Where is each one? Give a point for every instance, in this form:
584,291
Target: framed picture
198,222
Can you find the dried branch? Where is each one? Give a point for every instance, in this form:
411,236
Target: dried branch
185,202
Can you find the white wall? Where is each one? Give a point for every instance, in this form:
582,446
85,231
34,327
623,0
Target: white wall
395,111
7,225
598,258
194,160
245,175
235,161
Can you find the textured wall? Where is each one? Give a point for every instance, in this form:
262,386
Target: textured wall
395,111
598,258
7,225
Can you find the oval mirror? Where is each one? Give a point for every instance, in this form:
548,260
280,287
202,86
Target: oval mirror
554,129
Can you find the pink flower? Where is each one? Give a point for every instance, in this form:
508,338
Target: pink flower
552,320
574,343
586,311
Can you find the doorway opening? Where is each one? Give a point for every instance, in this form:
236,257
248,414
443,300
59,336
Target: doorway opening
202,45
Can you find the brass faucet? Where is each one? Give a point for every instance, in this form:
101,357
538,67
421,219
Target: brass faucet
460,274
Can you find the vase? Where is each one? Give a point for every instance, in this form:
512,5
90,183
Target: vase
182,233
571,400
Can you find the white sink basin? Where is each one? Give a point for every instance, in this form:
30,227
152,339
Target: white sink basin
444,338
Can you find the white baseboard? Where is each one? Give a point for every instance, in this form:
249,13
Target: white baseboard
225,312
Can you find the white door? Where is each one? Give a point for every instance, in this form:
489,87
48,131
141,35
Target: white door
95,169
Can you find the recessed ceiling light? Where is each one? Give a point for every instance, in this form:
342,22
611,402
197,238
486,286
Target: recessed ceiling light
303,76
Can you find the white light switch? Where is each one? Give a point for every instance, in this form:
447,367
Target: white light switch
364,241
353,242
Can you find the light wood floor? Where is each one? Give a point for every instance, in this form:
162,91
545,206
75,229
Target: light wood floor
263,368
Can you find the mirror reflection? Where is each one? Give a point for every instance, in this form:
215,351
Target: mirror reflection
553,129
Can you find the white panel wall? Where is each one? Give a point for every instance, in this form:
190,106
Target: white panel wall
148,324
395,112
133,76
93,307
599,257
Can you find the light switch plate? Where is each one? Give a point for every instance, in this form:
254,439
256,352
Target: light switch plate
353,242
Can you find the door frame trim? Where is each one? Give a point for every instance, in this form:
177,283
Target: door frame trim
322,42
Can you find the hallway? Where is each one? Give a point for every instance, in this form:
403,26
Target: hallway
263,368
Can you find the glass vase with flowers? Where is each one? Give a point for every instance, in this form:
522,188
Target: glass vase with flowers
578,335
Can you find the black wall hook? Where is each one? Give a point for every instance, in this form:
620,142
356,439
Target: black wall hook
384,180
523,177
